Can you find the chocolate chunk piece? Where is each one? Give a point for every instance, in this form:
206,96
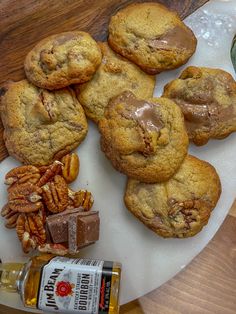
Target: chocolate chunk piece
57,225
83,230
73,227
58,229
48,234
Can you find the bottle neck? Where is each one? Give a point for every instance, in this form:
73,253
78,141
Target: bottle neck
10,275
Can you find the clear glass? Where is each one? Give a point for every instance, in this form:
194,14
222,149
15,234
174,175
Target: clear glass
25,278
29,284
10,274
115,288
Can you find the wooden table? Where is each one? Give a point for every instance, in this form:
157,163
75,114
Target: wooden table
206,286
208,283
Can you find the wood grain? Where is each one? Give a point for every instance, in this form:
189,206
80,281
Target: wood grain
232,211
3,150
28,21
23,23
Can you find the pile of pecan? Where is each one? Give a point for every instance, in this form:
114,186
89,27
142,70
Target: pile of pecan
36,192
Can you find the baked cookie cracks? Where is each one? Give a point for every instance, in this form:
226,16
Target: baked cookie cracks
39,125
144,139
179,207
114,76
207,98
151,36
63,59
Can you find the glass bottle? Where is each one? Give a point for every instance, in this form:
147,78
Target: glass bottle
233,52
65,285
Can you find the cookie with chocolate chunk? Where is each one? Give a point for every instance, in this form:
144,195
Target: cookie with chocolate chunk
114,76
39,125
63,59
151,36
144,139
179,207
207,98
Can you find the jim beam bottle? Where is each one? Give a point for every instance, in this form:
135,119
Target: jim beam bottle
66,285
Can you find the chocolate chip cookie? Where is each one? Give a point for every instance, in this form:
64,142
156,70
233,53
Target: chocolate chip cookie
144,139
151,36
39,125
115,75
181,206
63,59
207,98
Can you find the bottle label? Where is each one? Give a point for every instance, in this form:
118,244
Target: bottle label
75,286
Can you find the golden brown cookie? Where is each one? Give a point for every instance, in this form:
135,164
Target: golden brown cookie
179,207
39,125
207,98
151,36
144,139
115,75
63,59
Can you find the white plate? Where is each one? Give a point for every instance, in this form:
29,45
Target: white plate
148,260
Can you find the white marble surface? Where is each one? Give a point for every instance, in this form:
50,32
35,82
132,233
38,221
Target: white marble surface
148,260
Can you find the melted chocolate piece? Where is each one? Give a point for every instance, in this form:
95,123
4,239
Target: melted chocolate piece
142,111
177,37
198,101
198,116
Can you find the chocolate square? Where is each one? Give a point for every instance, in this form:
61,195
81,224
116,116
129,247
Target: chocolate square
83,230
57,225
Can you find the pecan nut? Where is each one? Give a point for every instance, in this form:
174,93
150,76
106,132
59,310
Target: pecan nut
55,195
23,174
57,249
27,243
81,198
25,198
43,169
30,231
189,214
50,172
70,167
10,216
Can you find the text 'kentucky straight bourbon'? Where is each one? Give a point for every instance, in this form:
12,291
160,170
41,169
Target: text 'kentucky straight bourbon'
66,285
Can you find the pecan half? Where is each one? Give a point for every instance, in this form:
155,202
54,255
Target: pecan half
25,198
43,169
55,195
57,249
189,214
70,167
10,216
81,198
51,171
27,243
30,231
176,207
23,174
42,214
